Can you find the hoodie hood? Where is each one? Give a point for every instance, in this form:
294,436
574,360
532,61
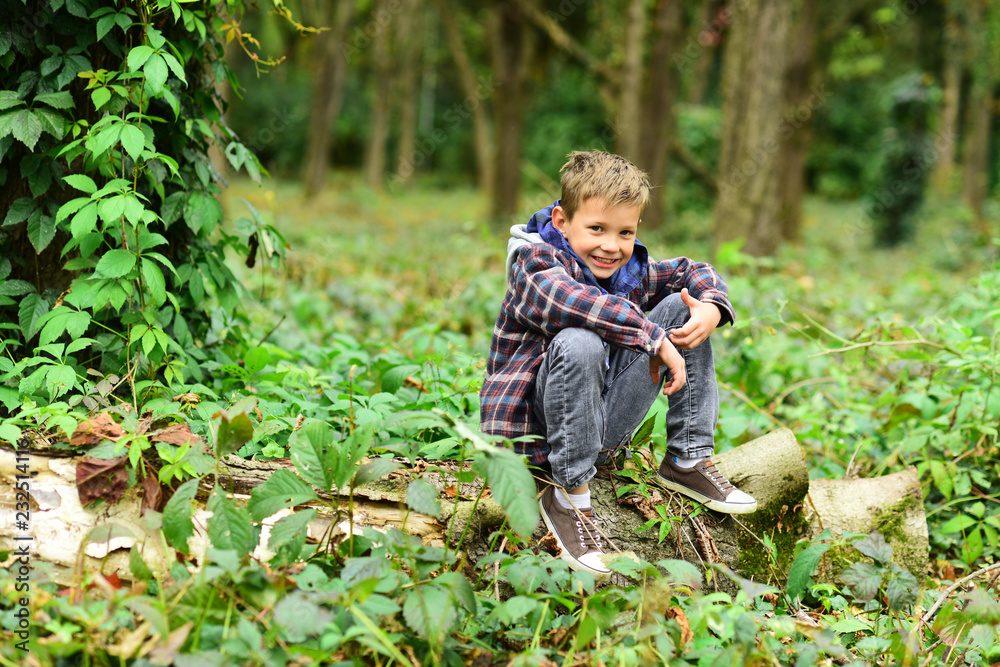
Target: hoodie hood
541,230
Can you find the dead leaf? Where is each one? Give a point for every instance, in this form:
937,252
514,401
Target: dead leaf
549,544
97,430
175,434
130,641
101,479
165,651
677,614
188,399
152,494
451,491
144,422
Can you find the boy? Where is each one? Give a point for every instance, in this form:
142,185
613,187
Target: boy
578,347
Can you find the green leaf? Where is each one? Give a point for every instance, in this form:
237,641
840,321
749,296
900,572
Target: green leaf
26,128
19,211
81,182
155,282
256,359
958,523
10,433
41,230
430,612
59,100
53,122
30,311
875,547
71,207
15,288
802,568
84,221
864,580
394,378
60,379
283,489
156,72
133,140
901,591
291,528
423,497
202,212
229,527
232,434
137,565
641,437
512,485
100,97
138,56
850,624
375,469
116,263
310,449
9,99
174,66
111,209
177,524
172,207
943,479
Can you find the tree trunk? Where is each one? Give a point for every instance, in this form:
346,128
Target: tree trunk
628,127
658,105
754,69
705,37
474,93
801,102
384,75
330,72
512,49
976,150
948,125
409,35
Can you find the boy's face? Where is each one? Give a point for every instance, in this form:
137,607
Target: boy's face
603,236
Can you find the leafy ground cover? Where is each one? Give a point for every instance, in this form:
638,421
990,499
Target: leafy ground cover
383,311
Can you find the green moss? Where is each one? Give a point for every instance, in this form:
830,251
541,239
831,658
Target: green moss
754,561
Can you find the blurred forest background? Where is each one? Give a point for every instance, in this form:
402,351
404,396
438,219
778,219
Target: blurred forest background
737,110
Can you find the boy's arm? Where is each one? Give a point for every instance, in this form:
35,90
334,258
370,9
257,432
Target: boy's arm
701,280
545,298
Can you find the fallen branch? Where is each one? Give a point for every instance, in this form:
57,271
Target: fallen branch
955,586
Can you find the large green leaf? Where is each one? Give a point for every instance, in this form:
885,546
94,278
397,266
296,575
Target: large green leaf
58,100
41,230
156,72
291,529
802,568
26,128
177,524
133,140
153,277
116,263
233,434
512,485
423,497
283,489
229,527
310,449
30,311
430,612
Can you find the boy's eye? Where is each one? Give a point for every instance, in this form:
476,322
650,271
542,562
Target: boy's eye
627,233
596,228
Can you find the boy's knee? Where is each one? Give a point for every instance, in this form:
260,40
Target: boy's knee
581,346
671,312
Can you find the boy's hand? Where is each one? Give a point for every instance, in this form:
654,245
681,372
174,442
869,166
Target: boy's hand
668,356
705,317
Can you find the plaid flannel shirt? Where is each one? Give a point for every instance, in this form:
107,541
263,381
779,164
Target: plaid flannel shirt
548,291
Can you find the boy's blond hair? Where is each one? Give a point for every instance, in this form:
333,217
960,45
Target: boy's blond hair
599,174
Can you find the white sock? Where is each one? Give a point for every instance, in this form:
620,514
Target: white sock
686,463
575,499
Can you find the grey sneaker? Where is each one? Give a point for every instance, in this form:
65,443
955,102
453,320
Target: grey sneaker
577,536
705,484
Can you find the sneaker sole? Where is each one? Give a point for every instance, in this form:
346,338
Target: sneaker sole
710,503
564,553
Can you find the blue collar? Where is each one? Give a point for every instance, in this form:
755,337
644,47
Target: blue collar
621,282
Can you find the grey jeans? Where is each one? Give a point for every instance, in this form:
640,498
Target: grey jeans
590,398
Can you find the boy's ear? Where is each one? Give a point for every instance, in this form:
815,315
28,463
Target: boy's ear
559,219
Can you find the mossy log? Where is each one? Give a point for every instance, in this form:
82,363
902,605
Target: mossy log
72,539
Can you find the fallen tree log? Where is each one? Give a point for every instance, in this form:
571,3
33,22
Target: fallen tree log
74,539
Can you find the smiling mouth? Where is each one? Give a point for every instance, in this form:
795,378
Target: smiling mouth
606,263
